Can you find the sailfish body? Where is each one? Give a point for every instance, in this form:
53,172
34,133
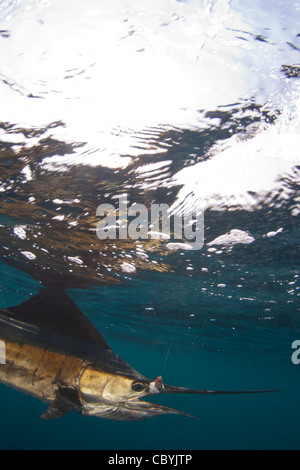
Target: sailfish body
54,353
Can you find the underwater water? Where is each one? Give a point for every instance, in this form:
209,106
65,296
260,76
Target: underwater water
193,104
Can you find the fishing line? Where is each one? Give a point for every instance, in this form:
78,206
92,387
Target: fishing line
172,339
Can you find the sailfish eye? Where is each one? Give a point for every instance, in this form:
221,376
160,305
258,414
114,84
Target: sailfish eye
138,386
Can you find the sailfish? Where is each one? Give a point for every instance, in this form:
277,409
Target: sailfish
56,354
53,352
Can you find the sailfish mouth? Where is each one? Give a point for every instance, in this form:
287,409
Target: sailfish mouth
138,409
158,387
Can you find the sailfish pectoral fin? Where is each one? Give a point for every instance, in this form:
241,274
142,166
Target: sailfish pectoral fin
66,400
57,409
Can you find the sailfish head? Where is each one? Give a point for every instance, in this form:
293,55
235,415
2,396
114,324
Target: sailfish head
121,398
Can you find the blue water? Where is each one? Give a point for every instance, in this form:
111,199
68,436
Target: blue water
186,103
201,354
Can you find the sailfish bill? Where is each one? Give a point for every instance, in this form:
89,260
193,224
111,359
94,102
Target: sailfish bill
54,353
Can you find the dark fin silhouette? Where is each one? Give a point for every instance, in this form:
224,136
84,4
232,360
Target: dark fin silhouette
57,409
67,399
53,310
